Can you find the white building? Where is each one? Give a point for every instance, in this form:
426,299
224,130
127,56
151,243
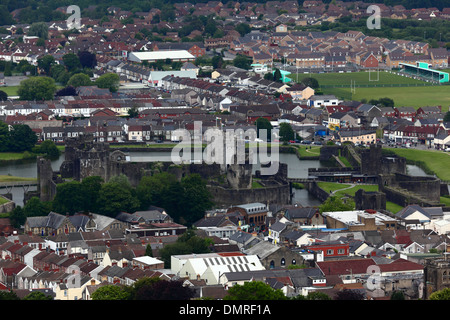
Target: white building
155,77
318,101
153,56
211,266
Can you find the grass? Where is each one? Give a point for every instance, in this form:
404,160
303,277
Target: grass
393,207
337,188
403,96
446,201
435,161
360,78
7,178
10,91
332,186
305,151
11,155
351,192
256,185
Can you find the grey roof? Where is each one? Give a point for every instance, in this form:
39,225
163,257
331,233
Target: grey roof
240,237
301,212
52,220
278,226
407,211
262,249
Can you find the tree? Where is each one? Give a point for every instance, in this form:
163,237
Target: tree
286,132
151,189
36,208
164,290
17,217
3,96
397,295
79,80
90,187
115,197
217,62
8,295
196,198
37,88
71,61
243,29
4,137
87,59
383,102
69,198
443,294
67,91
254,290
45,63
21,138
263,124
447,116
242,62
310,82
277,77
334,203
108,81
110,292
36,295
49,149
348,294
133,112
38,29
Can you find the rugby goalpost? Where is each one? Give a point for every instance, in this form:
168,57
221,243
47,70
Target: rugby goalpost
377,78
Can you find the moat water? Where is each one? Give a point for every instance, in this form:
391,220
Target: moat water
296,169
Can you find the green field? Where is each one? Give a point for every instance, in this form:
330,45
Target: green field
10,91
359,78
435,161
403,96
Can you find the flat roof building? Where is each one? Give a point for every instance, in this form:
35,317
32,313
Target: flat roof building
153,56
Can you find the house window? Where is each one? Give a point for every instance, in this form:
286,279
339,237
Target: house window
330,251
283,262
341,251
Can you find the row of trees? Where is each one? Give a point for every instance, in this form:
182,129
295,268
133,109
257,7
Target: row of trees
185,201
16,138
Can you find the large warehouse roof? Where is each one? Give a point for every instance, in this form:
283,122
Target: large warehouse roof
160,55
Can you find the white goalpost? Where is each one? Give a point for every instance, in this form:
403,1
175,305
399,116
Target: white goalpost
377,73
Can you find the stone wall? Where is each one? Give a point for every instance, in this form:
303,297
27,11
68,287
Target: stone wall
370,200
269,195
8,206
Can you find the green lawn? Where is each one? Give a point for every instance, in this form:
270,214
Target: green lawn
6,178
11,155
403,96
393,207
446,201
332,186
436,161
10,91
359,78
351,192
305,151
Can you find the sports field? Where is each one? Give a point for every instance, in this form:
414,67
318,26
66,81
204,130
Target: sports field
403,96
358,78
401,89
